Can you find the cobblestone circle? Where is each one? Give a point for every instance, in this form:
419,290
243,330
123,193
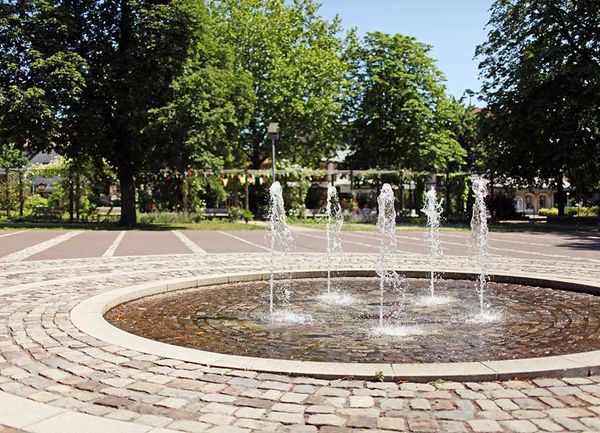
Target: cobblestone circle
45,359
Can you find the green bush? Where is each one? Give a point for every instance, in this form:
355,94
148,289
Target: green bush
239,213
582,211
548,212
33,201
169,218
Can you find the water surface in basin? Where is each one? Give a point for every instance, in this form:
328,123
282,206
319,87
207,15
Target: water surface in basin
233,319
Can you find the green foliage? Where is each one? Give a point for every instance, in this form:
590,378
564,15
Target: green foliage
170,218
548,212
298,76
401,114
238,213
33,201
541,69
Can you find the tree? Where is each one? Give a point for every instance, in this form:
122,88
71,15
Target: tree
294,59
541,71
124,56
10,158
402,117
39,78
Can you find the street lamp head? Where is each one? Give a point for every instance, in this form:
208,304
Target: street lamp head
273,130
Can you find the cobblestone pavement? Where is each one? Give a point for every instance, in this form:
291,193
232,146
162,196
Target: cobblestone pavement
45,359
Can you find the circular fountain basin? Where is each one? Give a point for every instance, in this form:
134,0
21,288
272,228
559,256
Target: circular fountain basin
535,329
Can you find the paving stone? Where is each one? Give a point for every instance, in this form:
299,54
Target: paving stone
520,426
388,423
391,404
420,404
286,417
302,429
570,423
547,425
189,426
420,425
362,422
153,420
361,401
216,418
453,427
258,426
326,419
484,425
548,382
250,412
571,412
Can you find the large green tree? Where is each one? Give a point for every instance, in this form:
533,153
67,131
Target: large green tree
541,71
99,70
294,59
39,77
401,117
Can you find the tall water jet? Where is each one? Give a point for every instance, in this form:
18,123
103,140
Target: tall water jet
433,211
335,221
386,225
333,231
280,244
479,243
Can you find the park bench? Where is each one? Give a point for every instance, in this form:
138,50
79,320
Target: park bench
46,213
314,213
216,212
106,213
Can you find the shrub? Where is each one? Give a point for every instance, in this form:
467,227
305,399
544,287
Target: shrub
169,218
548,212
33,201
239,213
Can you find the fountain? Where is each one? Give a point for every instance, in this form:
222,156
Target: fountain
433,210
281,243
389,280
479,248
333,232
386,323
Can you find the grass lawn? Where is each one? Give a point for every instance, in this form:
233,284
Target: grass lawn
419,226
203,225
221,224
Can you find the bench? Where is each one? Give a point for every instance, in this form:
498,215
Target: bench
216,212
106,213
314,213
46,213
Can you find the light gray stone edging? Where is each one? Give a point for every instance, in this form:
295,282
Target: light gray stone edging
88,317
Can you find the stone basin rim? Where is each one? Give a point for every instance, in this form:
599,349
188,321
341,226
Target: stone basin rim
88,317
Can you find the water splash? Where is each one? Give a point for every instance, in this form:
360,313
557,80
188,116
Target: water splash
433,210
386,224
399,330
281,242
479,240
335,221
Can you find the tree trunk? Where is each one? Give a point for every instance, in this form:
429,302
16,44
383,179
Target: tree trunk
246,191
127,184
21,194
447,209
184,195
7,171
71,197
77,195
560,194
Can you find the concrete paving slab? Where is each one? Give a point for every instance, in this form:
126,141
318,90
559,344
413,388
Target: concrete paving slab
26,239
73,422
142,243
87,244
19,412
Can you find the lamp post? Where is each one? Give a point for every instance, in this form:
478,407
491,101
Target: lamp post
273,133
